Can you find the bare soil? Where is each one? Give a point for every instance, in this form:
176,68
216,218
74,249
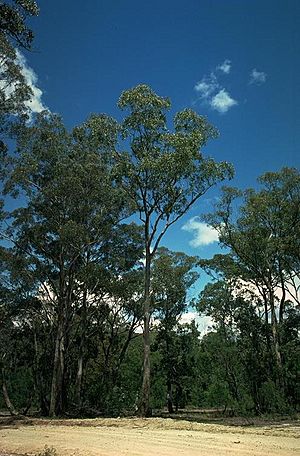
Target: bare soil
147,437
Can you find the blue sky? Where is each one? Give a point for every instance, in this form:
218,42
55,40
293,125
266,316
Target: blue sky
235,61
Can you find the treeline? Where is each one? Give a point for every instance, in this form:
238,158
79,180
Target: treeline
91,304
88,351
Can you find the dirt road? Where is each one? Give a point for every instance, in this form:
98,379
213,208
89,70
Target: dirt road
152,437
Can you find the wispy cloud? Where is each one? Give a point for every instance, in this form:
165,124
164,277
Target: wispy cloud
207,86
203,233
225,66
222,101
257,77
35,104
211,92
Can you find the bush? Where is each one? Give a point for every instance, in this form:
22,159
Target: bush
271,398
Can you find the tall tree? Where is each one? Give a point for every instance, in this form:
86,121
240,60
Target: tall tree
263,237
71,213
164,173
172,276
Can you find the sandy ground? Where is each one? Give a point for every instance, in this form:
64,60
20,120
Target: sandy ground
148,437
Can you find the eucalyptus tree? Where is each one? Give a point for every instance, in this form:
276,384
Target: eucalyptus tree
263,237
173,274
71,211
229,349
164,173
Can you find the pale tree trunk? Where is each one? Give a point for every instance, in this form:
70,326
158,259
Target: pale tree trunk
79,375
275,340
169,396
58,396
7,400
78,384
276,345
283,297
58,368
144,406
80,362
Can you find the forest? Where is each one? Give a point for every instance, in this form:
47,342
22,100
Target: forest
92,302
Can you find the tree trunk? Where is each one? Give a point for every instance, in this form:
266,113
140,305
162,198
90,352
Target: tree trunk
78,384
58,369
283,297
27,407
80,363
169,369
169,397
276,342
39,383
144,407
275,332
8,403
178,396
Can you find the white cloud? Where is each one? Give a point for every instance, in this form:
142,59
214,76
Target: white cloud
35,104
188,317
257,77
204,323
203,88
211,92
203,234
207,86
222,101
225,66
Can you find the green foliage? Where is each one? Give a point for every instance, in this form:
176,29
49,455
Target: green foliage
255,296
14,92
13,15
263,233
164,173
218,394
115,395
173,274
271,398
